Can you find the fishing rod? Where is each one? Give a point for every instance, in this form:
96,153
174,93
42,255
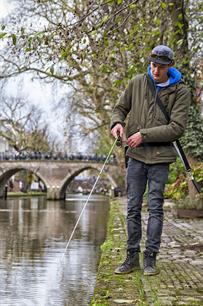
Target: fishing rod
116,142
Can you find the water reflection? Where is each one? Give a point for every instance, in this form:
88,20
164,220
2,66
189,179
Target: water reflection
33,237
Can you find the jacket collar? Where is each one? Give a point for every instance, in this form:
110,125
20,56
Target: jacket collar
174,77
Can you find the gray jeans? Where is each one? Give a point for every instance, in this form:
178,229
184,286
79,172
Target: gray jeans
139,175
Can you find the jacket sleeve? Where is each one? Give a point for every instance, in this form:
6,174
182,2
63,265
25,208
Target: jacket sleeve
122,107
178,120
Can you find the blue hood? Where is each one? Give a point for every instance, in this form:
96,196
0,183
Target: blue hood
174,76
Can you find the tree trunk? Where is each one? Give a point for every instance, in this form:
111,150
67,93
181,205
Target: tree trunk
177,11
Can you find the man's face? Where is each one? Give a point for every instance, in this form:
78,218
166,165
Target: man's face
159,72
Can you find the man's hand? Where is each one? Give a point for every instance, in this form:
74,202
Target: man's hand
134,140
117,130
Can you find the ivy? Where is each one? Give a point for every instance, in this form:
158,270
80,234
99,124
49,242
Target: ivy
193,138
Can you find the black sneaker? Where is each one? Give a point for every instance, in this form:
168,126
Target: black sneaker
129,265
150,264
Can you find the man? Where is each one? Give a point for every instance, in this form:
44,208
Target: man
149,137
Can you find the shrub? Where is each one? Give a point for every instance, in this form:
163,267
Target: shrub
177,187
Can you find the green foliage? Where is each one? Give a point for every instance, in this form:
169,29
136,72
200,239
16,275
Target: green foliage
2,34
193,138
104,142
14,39
177,187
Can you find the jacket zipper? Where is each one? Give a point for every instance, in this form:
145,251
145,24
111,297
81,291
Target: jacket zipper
155,97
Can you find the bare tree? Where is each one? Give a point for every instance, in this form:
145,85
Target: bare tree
22,125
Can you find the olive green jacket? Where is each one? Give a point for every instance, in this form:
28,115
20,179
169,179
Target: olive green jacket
144,115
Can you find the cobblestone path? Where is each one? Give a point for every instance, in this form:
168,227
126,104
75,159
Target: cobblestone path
180,261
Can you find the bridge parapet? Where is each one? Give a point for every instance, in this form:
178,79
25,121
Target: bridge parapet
31,156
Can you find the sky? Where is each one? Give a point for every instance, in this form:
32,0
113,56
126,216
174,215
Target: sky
4,8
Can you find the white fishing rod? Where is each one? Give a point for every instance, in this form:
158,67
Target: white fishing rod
85,204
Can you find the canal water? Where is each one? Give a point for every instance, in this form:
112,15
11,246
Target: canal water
33,236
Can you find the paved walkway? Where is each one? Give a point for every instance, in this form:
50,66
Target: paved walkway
180,261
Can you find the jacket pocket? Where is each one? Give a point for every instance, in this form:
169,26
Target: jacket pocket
166,151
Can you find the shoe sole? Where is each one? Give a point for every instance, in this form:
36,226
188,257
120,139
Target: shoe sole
151,274
127,272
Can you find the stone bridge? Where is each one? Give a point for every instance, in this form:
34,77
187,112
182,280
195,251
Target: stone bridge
55,174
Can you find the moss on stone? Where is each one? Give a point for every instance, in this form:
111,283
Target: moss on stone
111,288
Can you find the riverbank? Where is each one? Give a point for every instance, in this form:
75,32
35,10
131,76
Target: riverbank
180,261
25,194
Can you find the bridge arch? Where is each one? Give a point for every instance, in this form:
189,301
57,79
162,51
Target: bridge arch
69,178
8,173
55,174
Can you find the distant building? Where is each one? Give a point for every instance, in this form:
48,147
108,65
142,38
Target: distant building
4,145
